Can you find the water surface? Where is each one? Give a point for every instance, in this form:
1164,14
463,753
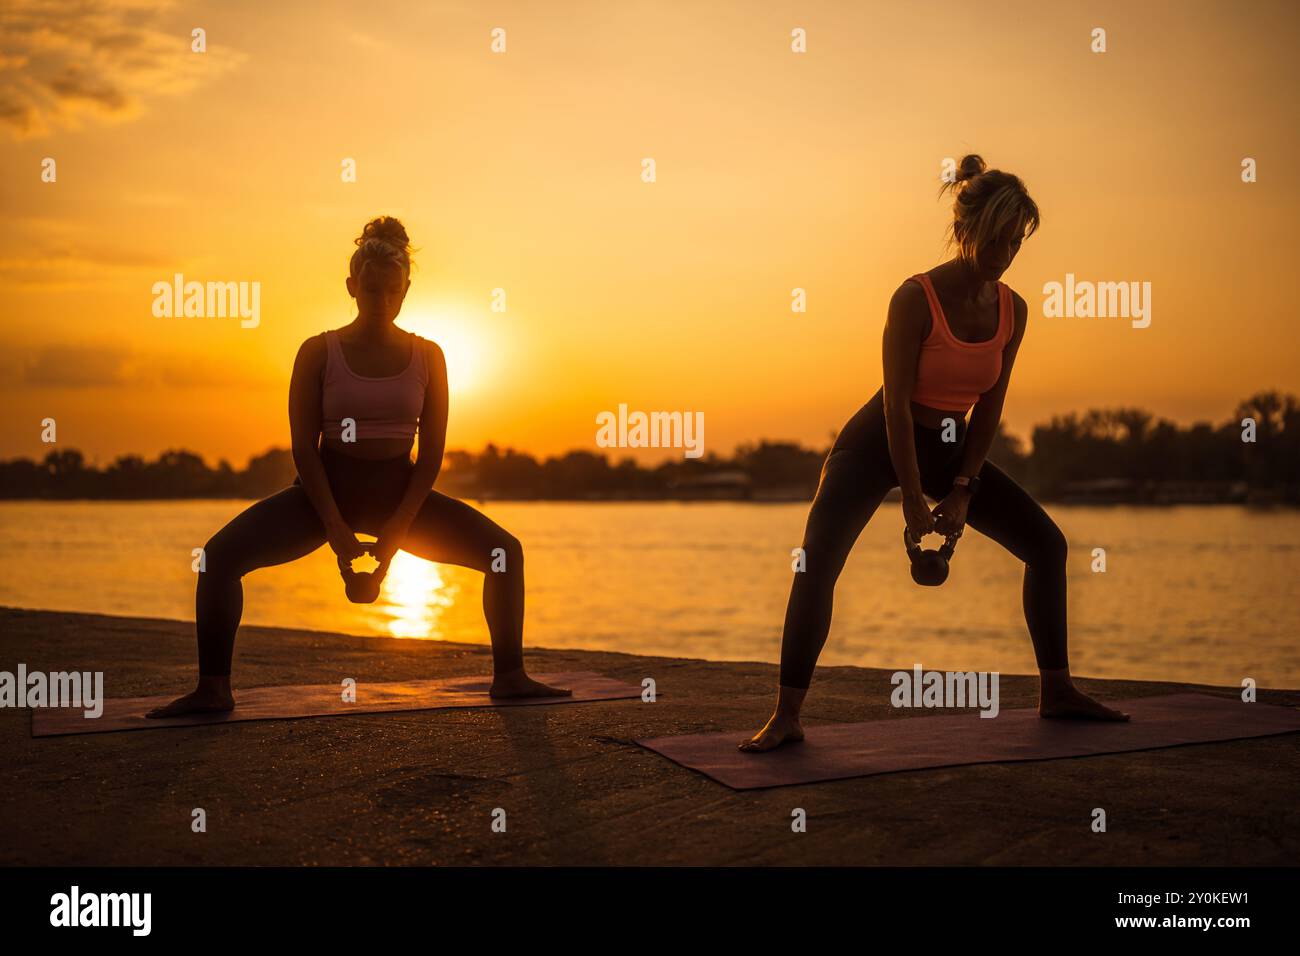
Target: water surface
1193,593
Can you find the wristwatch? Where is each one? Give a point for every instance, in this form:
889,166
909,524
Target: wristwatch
971,484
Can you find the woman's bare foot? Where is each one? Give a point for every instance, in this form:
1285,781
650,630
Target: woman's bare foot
204,700
519,684
780,729
1073,704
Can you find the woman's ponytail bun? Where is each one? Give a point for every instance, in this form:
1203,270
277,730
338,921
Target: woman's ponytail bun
385,238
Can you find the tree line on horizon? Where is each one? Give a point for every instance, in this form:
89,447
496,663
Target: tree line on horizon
1072,452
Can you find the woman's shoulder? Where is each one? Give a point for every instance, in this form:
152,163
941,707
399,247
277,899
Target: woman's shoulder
910,304
313,355
911,290
1019,315
430,349
315,344
1019,307
428,345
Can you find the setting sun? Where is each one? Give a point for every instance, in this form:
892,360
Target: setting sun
461,342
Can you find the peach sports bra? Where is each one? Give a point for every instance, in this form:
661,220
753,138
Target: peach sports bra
951,374
385,407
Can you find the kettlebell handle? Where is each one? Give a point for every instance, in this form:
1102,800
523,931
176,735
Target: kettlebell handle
913,542
929,568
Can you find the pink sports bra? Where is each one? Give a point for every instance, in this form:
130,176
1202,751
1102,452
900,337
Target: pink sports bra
384,407
951,374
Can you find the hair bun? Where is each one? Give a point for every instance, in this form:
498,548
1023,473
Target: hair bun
971,165
384,238
385,229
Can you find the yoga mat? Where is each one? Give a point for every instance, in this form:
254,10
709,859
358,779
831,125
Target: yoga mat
325,700
840,751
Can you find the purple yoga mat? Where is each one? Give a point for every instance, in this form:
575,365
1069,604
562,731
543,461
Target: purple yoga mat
840,751
325,700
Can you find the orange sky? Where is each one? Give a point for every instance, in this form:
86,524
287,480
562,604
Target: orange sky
522,170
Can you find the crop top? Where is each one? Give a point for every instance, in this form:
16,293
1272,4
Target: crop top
951,374
384,407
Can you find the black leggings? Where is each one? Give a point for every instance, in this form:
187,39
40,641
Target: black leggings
857,475
285,527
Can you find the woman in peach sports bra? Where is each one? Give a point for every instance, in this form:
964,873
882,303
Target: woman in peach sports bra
949,346
356,399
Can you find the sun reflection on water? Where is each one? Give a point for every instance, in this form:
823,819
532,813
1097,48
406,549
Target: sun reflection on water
414,596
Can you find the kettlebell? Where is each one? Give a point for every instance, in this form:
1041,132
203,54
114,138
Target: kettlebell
929,566
361,587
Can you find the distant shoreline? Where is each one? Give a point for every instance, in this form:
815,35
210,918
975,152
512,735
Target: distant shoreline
1102,456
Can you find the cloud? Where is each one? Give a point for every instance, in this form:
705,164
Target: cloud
65,62
74,266
58,253
116,366
66,366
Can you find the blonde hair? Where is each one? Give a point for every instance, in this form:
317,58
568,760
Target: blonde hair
384,239
987,201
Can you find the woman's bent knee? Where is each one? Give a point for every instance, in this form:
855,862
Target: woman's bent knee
507,555
220,558
1051,549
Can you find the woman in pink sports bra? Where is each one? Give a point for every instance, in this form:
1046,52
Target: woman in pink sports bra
357,398
950,343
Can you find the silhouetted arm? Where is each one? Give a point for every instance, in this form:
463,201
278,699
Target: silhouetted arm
428,455
905,330
304,434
